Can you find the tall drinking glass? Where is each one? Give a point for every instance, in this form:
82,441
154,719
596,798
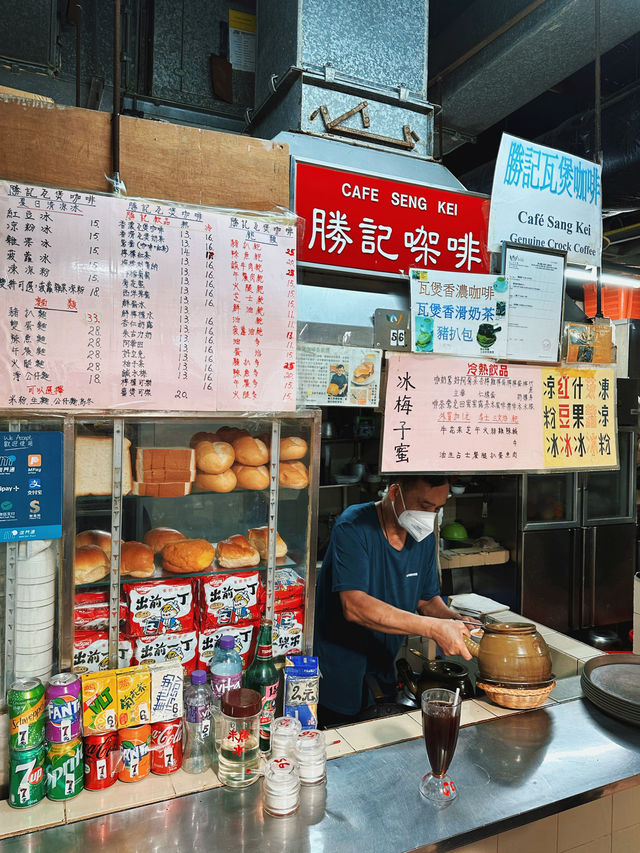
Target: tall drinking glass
440,725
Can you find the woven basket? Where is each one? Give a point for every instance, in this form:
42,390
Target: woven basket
519,698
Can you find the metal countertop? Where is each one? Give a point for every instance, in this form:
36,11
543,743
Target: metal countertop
508,771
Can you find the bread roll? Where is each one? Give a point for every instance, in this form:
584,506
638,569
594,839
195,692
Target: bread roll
293,447
214,457
225,482
293,475
95,537
90,564
236,551
250,451
189,555
158,537
259,538
227,433
333,389
251,476
136,559
203,436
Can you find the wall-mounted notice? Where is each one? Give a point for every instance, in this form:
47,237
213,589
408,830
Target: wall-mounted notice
338,376
30,485
536,295
456,415
458,313
546,199
130,303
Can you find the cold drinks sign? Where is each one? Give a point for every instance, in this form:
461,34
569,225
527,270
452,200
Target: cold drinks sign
365,223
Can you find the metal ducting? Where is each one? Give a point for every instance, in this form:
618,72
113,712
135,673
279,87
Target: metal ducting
498,56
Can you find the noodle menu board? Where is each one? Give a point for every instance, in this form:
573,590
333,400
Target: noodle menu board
129,303
457,415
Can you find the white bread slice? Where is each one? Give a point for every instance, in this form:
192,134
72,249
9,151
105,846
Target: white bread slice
94,466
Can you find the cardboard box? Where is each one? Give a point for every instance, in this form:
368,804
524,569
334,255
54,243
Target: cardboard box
457,558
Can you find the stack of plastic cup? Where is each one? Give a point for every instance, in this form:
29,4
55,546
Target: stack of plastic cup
36,570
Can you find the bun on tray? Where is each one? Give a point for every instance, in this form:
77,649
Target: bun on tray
293,447
136,559
229,433
293,475
251,476
225,482
158,537
90,564
203,436
214,457
188,555
235,552
95,537
259,538
250,450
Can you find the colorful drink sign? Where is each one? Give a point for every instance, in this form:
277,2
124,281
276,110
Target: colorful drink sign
127,303
457,415
458,313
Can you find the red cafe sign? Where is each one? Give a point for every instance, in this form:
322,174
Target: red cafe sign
360,222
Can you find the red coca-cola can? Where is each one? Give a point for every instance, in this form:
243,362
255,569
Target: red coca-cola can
100,760
166,746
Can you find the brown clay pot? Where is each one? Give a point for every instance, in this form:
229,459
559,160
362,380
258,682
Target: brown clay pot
512,653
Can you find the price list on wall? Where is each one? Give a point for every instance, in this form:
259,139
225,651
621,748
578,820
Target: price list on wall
131,303
457,415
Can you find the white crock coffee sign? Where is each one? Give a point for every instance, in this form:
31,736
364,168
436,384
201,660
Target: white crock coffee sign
546,198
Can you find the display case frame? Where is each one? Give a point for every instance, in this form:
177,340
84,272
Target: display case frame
118,421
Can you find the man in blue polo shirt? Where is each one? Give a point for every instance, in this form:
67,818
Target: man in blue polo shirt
378,583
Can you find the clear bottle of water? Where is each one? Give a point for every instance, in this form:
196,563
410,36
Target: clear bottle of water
198,703
226,674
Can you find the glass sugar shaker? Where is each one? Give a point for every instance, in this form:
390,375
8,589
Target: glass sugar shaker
281,787
311,757
284,734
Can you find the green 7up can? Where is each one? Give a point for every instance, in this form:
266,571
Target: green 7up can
65,770
27,780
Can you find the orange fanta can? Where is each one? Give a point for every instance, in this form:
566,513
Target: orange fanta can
135,753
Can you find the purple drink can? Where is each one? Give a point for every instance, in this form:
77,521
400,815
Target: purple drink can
63,708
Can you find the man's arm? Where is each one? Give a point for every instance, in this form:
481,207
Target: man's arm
377,615
436,607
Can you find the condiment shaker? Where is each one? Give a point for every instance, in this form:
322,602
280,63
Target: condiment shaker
281,787
311,756
284,734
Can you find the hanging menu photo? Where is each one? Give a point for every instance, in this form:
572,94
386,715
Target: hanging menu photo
131,303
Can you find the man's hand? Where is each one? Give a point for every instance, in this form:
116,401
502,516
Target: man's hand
448,634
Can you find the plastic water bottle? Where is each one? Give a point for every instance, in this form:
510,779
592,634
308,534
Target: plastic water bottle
198,702
226,674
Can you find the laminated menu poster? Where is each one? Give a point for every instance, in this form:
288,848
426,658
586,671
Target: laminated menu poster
456,415
338,376
458,313
129,303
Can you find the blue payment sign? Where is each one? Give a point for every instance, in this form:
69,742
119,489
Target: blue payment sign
30,486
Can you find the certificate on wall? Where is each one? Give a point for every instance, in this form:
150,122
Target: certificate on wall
536,299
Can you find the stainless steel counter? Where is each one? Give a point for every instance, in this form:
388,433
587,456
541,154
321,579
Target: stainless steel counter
508,771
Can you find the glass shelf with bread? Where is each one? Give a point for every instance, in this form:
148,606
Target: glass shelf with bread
196,501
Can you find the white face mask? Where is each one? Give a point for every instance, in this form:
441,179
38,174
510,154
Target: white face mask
419,523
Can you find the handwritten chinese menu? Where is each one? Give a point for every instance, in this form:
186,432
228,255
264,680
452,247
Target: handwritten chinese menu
457,415
115,302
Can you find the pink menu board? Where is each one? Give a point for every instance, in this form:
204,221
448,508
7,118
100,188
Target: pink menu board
131,303
458,414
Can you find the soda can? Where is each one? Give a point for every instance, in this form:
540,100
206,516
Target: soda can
135,758
65,770
100,761
25,701
27,780
166,746
63,708
99,712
